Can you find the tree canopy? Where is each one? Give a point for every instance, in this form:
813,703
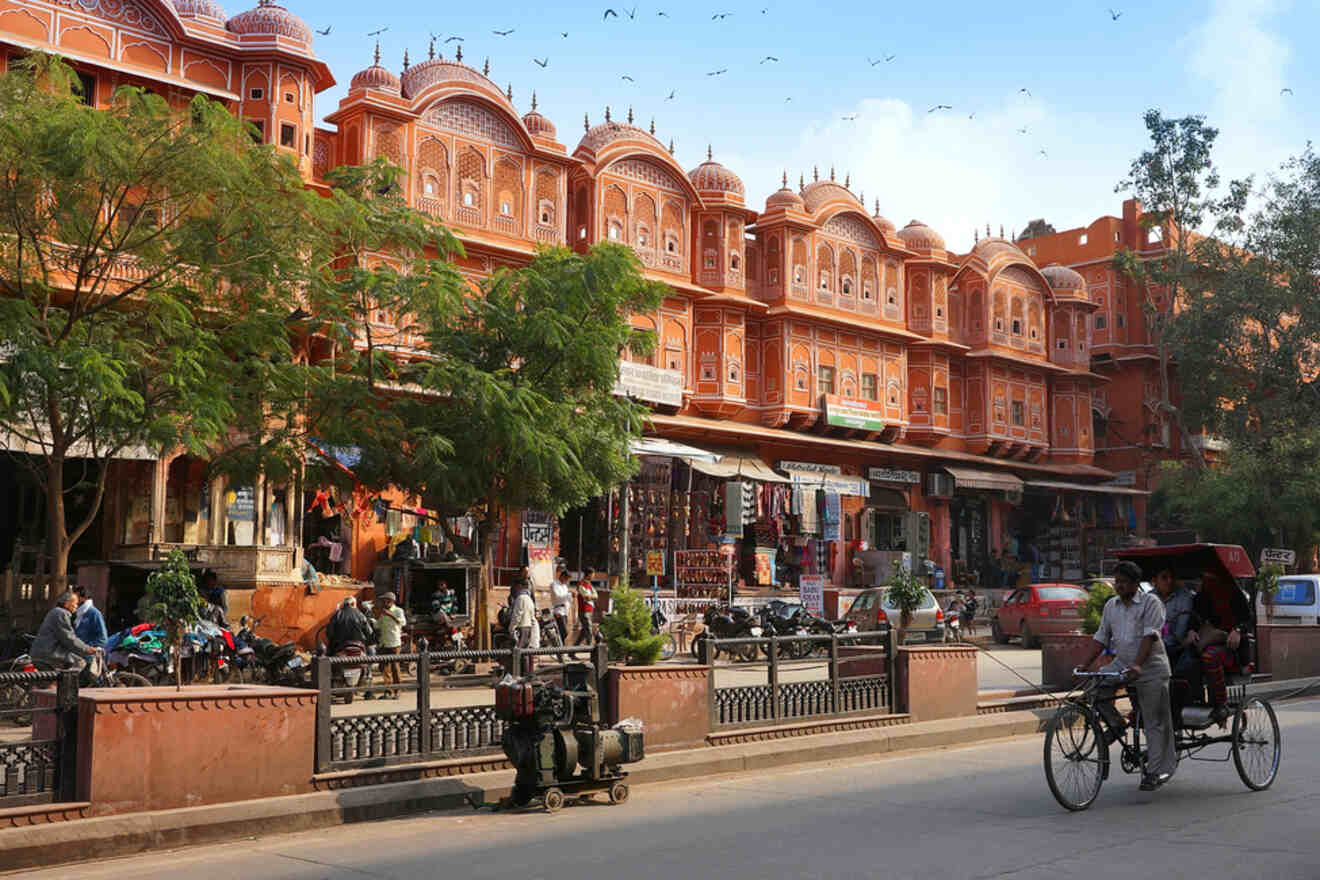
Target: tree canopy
151,254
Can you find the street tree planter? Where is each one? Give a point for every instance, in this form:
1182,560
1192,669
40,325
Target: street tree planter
674,701
1060,654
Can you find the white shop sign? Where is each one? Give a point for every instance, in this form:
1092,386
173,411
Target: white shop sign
888,475
651,384
811,592
1277,556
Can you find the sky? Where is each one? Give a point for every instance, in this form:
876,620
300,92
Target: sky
1047,99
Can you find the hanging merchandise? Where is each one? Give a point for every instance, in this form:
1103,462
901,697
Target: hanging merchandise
740,506
830,514
393,522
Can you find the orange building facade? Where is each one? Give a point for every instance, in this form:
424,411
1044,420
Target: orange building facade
808,331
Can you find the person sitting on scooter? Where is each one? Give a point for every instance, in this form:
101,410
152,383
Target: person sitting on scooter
348,625
442,607
56,645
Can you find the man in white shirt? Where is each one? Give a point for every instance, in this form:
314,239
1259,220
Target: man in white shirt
561,601
392,621
523,626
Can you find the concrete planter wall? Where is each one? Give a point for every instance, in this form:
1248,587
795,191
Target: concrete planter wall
673,701
1286,651
935,681
1060,654
159,748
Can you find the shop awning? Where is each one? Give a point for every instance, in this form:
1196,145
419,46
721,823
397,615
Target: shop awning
844,485
888,499
732,467
966,478
661,446
1085,487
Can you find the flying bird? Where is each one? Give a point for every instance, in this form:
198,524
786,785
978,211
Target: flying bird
720,15
764,11
940,107
1283,92
1022,130
717,72
768,58
632,13
628,78
662,14
851,118
608,13
671,95
1115,16
453,39
1026,92
889,58
875,62
1045,154
542,63
564,34
326,32
971,115
789,98
503,33
379,32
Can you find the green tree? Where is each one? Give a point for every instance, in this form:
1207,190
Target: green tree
173,605
510,403
627,629
149,254
907,593
1173,180
1099,593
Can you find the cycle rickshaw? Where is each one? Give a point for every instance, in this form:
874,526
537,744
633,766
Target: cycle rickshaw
1077,737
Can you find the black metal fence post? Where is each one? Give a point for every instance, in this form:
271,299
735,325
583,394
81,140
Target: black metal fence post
515,661
66,734
774,676
834,673
600,658
891,664
321,676
707,654
424,740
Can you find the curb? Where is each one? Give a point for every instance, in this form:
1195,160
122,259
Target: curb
110,836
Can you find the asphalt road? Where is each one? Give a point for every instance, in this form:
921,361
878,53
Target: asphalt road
974,812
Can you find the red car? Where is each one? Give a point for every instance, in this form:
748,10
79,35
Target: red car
1039,609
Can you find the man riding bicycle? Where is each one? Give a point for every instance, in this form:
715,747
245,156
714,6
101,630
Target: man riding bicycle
1132,624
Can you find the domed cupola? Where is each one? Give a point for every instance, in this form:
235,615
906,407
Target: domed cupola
1064,280
886,225
710,178
920,237
376,77
537,125
206,10
784,198
269,19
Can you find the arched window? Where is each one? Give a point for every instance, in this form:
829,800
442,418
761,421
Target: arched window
472,182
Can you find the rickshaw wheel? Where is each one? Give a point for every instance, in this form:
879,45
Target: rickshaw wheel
1075,757
1256,745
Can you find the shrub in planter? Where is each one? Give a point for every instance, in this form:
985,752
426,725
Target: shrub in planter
627,629
173,605
1100,593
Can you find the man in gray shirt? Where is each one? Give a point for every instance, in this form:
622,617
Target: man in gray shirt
1132,624
1183,656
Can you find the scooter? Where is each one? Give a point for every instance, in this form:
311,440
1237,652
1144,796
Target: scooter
952,628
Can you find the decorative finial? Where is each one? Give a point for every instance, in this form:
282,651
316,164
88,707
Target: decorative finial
652,126
710,154
785,179
430,54
815,174
831,172
671,146
877,207
847,180
405,59
607,113
630,114
1001,230
861,197
802,183
987,230
376,58
586,122
533,99
458,55
976,235
508,92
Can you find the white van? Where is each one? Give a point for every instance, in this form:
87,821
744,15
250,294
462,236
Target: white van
1297,600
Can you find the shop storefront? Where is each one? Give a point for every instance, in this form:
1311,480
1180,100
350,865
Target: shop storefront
978,506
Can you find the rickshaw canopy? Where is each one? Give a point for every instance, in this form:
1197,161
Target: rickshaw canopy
1188,560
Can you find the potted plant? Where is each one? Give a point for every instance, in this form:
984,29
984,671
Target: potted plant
1267,585
905,592
173,605
1100,593
627,629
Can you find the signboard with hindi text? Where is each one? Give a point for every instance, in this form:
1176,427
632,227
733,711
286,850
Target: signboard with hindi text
651,384
890,475
1276,556
850,412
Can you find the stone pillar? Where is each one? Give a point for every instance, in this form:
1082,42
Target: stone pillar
672,701
935,681
160,474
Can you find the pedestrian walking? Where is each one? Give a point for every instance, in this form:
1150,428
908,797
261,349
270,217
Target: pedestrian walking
523,626
392,622
561,598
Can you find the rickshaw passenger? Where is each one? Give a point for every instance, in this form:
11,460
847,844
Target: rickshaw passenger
1222,610
1178,630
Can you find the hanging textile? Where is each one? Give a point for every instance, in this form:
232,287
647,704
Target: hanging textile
809,512
393,522
831,510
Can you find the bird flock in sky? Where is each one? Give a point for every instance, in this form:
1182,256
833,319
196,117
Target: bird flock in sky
629,14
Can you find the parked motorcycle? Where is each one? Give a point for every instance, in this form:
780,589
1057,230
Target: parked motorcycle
729,623
786,621
275,663
952,628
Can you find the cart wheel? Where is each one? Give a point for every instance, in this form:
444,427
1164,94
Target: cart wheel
554,800
1256,746
618,793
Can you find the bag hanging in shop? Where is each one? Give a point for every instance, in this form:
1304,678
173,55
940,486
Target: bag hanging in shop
739,505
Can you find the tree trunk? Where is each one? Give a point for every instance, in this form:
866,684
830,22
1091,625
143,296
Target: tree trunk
177,650
57,534
481,619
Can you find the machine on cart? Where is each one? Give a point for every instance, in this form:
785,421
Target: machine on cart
557,742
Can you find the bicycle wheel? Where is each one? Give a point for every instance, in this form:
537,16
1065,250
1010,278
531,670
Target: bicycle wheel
129,680
1256,745
1075,757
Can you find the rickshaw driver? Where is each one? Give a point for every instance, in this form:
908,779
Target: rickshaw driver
1222,610
1132,622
